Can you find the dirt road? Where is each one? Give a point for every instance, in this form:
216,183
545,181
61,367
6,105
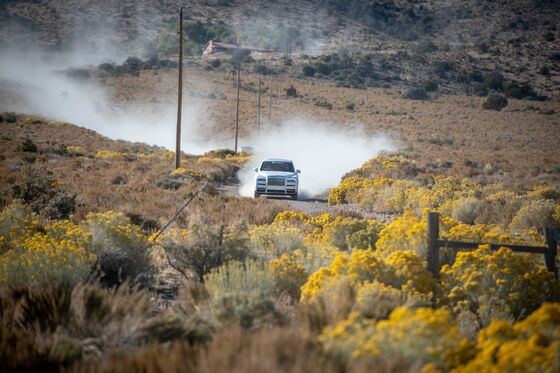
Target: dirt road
313,205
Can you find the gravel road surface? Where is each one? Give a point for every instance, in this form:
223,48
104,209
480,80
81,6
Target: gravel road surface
313,205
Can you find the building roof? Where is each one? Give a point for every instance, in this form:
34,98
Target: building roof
222,45
219,44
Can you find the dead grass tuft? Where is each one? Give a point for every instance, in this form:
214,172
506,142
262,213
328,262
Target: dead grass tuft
232,350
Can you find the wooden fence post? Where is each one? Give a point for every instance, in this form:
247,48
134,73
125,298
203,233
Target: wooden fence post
551,251
433,245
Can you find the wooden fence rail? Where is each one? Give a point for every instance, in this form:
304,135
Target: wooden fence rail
551,239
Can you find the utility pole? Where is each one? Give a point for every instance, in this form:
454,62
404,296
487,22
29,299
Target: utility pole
259,108
289,42
270,97
237,109
278,86
179,94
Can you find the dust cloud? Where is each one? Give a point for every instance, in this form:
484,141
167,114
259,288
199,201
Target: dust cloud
323,152
40,86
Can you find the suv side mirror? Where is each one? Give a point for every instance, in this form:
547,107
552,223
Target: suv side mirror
298,171
256,169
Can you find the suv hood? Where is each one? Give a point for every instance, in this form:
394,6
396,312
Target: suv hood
277,173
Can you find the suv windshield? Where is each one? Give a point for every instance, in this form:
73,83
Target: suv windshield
277,166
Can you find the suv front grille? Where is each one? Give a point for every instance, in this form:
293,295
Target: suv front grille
276,181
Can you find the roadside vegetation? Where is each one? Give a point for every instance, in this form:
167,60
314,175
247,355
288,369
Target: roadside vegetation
396,184
85,282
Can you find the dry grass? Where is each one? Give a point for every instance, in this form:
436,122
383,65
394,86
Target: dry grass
126,183
484,145
53,327
233,350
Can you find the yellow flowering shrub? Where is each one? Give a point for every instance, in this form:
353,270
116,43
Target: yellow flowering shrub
291,216
17,221
410,272
64,230
410,233
109,154
220,165
58,256
188,172
122,249
446,190
468,201
273,240
315,239
423,337
317,224
556,215
530,345
404,233
375,300
502,196
311,240
443,194
36,254
320,221
165,154
117,228
315,254
76,150
368,266
493,233
239,159
384,194
394,198
481,276
363,266
392,166
296,219
343,193
319,280
538,213
385,184
289,275
544,192
30,119
170,234
349,233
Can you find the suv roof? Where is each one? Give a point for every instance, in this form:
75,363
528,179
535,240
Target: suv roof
276,160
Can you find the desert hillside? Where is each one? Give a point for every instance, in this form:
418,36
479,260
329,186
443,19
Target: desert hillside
406,42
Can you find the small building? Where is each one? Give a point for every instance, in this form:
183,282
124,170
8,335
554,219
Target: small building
217,47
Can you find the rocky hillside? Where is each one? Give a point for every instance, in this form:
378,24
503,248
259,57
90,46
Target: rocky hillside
450,42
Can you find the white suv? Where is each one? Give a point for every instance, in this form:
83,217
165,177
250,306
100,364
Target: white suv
277,177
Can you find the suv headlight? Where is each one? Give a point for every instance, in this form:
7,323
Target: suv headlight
261,180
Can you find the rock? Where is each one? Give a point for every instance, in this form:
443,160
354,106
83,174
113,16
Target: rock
495,102
8,117
80,74
106,67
